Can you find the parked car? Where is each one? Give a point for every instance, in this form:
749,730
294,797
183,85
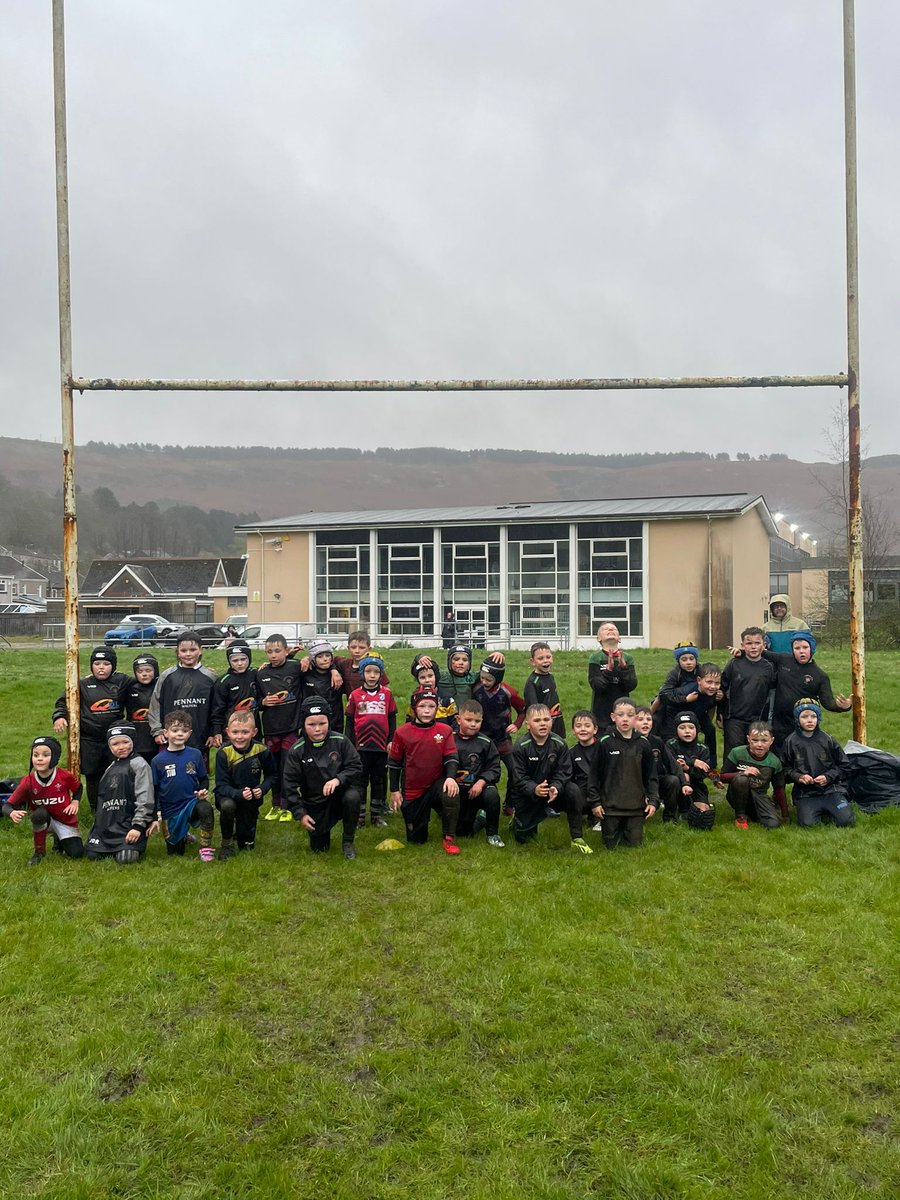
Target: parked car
210,635
138,629
295,632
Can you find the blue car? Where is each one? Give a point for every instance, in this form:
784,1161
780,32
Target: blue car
139,629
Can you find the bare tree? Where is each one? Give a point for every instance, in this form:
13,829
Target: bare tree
879,527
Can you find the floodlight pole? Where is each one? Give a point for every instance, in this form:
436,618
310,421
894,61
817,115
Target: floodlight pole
70,528
854,453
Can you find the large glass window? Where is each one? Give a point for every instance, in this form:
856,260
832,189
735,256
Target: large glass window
342,587
538,581
470,581
405,584
611,577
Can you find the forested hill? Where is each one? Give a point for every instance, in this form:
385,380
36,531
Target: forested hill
277,482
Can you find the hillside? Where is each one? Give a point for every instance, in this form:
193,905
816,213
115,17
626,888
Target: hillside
282,482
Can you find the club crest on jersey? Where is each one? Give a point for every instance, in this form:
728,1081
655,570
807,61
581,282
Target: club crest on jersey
190,768
438,737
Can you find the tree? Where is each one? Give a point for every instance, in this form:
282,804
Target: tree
879,529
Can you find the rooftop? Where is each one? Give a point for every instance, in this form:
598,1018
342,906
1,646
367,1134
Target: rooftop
627,508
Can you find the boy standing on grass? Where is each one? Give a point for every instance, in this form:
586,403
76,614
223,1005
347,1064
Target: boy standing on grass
181,781
689,799
498,702
125,804
611,673
370,725
540,686
459,679
625,789
136,696
245,773
477,775
584,726
424,751
816,765
746,683
278,690
186,687
100,705
749,771
50,795
235,691
322,775
359,646
324,681
542,767
799,677
668,772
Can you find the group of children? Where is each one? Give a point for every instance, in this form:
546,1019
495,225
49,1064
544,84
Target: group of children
146,742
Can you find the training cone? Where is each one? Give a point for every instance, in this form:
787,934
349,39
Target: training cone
389,844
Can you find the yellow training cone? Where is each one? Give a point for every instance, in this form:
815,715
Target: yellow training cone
389,844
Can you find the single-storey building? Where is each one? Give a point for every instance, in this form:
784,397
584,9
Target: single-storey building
663,568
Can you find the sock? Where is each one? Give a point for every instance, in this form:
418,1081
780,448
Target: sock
40,841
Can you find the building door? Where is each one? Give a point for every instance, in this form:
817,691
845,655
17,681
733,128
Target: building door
471,626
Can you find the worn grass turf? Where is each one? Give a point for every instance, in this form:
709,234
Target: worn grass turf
712,1016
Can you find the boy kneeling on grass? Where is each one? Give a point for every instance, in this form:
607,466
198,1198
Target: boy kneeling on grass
245,772
51,796
322,778
816,764
625,789
542,769
181,782
749,771
125,810
424,750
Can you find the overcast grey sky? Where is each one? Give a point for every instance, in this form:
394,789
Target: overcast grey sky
415,188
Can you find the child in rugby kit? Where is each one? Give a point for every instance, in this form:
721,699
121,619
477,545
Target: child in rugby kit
668,773
799,677
100,705
540,686
186,687
689,800
423,672
181,781
322,775
125,803
746,682
625,791
459,679
542,766
477,775
349,666
320,680
699,696
136,696
245,774
498,701
423,754
584,727
278,692
817,766
50,795
749,771
371,722
611,673
235,691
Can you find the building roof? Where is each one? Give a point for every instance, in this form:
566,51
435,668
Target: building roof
618,509
12,568
163,576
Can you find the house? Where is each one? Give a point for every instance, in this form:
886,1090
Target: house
20,583
186,591
663,568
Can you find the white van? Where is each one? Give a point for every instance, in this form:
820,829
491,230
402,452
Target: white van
295,632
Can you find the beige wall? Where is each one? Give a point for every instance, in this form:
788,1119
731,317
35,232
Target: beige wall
813,596
284,571
679,555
